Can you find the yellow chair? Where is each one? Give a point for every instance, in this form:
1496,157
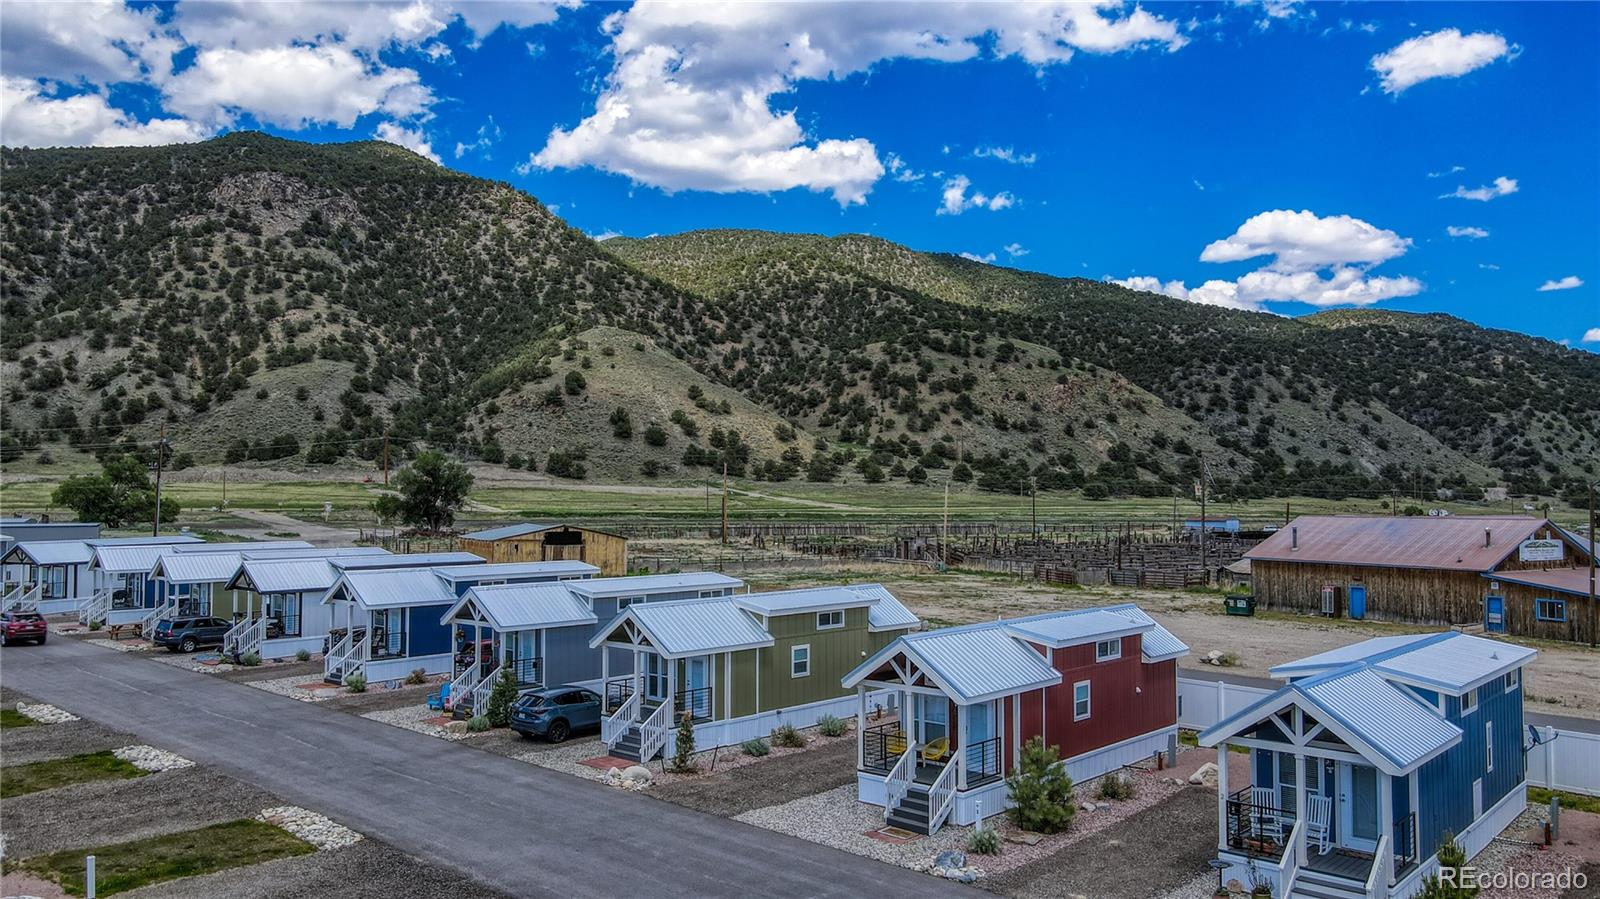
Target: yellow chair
896,745
936,750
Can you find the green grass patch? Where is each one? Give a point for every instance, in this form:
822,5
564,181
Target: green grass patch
1571,801
14,718
19,780
125,866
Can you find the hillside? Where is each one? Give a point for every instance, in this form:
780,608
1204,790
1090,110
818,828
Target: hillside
283,303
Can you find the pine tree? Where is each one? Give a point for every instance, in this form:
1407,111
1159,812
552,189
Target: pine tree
1451,858
683,755
1041,790
501,697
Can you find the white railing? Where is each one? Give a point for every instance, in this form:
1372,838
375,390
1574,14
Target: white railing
463,682
653,732
163,609
12,597
1294,855
481,690
95,607
22,599
614,726
942,796
245,637
1382,871
231,637
346,657
899,779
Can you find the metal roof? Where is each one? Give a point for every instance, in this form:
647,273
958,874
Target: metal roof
520,529
1561,580
237,546
302,575
643,584
796,602
887,612
408,560
1058,629
1156,644
51,552
971,663
687,627
196,568
127,559
391,589
1451,662
517,569
1453,543
519,607
1344,655
172,540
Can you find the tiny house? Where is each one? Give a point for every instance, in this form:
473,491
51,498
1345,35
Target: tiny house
62,571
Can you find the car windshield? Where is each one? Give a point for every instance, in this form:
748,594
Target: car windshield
533,700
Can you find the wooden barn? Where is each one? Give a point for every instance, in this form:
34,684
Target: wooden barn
534,542
1423,570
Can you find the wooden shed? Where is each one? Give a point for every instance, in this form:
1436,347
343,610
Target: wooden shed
536,542
1414,569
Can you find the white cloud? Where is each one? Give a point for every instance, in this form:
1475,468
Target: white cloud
1016,250
411,138
1006,154
356,25
986,259
901,170
1466,231
1440,54
96,40
1450,171
688,102
955,199
1501,187
1488,266
605,235
1567,283
489,134
293,87
1592,335
31,118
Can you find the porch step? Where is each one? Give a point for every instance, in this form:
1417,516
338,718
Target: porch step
912,812
628,746
1310,884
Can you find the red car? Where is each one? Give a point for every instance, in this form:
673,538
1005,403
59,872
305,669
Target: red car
22,626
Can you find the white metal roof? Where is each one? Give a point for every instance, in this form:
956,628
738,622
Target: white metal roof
237,546
51,552
1157,644
520,529
303,575
408,560
644,584
391,589
196,568
887,612
971,663
686,627
796,602
1344,655
1071,628
518,607
560,568
127,559
1451,662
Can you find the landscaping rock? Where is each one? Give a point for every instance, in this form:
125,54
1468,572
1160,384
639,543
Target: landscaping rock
45,714
1205,775
637,774
456,727
634,777
950,858
1024,838
318,830
149,758
1087,806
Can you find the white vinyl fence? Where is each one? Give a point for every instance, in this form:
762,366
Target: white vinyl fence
1563,759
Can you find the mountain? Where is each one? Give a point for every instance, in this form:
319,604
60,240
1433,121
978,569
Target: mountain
294,303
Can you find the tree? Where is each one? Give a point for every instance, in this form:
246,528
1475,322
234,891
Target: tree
1448,885
683,748
432,489
120,494
655,435
1041,790
621,424
575,382
501,697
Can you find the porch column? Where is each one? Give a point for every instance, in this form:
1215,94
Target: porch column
638,682
1016,731
605,678
1301,813
960,742
1222,794
1386,823
861,727
672,686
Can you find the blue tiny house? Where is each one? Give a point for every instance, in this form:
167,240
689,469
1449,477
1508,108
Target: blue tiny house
1368,759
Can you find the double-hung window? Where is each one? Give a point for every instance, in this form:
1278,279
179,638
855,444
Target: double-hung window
1106,650
800,661
1080,700
829,620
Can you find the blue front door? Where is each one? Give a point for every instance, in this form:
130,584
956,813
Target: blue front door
1358,601
1494,613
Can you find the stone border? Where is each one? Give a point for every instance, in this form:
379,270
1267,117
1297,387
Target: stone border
318,830
149,758
45,713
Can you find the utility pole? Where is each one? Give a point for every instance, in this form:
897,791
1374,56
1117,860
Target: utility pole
161,459
385,458
1035,487
1285,513
944,529
724,503
1204,571
1593,618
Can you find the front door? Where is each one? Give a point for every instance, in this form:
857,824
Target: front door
1358,806
698,700
655,677
1494,613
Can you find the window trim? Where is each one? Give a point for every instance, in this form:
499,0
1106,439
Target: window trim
830,627
794,660
1088,700
1466,708
1513,679
1542,602
1488,747
1109,657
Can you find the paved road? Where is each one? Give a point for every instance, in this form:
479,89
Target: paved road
525,829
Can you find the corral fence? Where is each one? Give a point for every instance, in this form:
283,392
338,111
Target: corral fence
1562,760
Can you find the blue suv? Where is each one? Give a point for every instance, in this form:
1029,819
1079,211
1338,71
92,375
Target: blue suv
189,634
555,712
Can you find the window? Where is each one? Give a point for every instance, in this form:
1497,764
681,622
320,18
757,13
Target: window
1488,746
1106,650
709,594
1080,700
285,609
800,661
54,578
624,601
826,620
1469,702
1550,609
1513,679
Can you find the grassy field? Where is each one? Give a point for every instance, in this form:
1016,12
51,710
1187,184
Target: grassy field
14,718
18,780
126,866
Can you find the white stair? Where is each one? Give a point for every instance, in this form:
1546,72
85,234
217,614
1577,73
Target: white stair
1310,884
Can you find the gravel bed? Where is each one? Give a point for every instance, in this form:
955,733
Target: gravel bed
1579,844
193,661
732,758
744,786
367,870
318,830
1203,886
304,672
291,687
149,758
415,718
379,697
114,811
45,713
22,745
564,757
835,818
507,742
129,645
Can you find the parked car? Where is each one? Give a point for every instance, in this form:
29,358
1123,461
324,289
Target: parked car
555,712
23,626
189,634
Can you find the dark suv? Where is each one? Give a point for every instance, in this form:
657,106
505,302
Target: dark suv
555,712
189,634
23,626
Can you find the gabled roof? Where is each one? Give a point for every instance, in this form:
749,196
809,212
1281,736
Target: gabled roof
506,531
971,663
1573,581
126,559
518,607
887,612
304,575
645,584
391,589
408,560
166,540
686,627
50,552
489,571
1451,662
1455,543
243,545
196,568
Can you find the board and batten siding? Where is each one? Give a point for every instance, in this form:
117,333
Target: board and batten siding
1521,618
1127,698
608,552
834,653
426,635
1446,792
1421,595
568,658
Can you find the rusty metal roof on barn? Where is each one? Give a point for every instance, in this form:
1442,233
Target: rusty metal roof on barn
1560,580
1456,543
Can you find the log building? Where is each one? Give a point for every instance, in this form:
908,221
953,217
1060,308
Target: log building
535,542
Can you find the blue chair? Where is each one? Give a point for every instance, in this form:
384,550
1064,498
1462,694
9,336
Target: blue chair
437,701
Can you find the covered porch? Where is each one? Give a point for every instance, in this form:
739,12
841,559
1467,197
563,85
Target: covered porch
385,625
506,628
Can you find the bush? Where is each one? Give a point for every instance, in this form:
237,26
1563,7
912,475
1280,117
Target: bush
477,724
302,655
1115,786
984,841
1451,856
757,747
787,737
1041,790
501,697
251,659
683,748
356,683
831,726
96,625
417,676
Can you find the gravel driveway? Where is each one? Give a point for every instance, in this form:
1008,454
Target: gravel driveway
1147,855
769,782
39,742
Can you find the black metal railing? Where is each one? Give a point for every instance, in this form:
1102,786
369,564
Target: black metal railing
388,644
528,671
983,760
1257,829
617,692
882,746
696,703
1405,842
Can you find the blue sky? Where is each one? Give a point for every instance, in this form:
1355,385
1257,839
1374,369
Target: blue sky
1282,157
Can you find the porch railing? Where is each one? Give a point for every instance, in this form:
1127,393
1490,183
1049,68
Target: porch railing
166,608
23,599
528,671
95,608
462,683
696,703
615,725
618,690
381,641
1405,842
942,796
344,657
881,746
245,636
479,697
899,779
653,733
1256,829
1377,885
983,760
